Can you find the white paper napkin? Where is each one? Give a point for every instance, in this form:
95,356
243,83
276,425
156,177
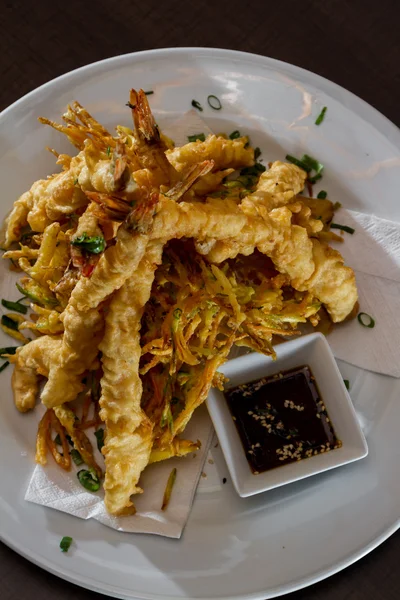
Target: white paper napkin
51,486
373,251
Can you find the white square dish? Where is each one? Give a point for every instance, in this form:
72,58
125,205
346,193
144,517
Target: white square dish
312,350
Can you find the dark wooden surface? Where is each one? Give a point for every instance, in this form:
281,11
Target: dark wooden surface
355,43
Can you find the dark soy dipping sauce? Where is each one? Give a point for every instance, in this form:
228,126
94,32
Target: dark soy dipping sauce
281,419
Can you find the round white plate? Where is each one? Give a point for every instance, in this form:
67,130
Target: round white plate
232,548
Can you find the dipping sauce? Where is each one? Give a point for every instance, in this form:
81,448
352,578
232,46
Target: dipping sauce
281,419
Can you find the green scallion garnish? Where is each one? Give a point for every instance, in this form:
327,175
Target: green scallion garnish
94,245
89,480
342,228
197,105
149,93
108,150
234,135
214,102
20,308
346,383
65,543
10,323
321,116
322,195
370,323
4,366
257,153
131,106
100,438
76,457
197,137
8,350
298,163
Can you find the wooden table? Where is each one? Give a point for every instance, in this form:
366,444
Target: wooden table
355,43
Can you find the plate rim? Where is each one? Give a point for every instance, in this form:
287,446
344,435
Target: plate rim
353,102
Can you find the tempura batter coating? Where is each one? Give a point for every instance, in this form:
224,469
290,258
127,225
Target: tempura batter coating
31,361
128,440
225,153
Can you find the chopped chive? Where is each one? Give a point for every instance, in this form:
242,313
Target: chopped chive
149,93
108,150
10,323
4,366
57,440
321,116
168,489
346,383
216,103
233,184
131,106
322,195
75,181
342,228
197,105
94,245
298,163
197,136
20,308
315,178
99,434
8,350
370,323
76,457
65,543
234,135
257,153
89,480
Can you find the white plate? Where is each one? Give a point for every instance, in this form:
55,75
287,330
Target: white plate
285,539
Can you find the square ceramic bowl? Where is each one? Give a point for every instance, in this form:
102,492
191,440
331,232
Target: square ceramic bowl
312,350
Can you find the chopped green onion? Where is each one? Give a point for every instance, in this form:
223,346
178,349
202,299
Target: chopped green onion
94,245
21,308
257,153
321,116
370,323
131,106
168,489
346,383
322,195
76,457
100,438
8,350
89,480
298,163
197,136
315,178
342,228
75,181
10,323
234,135
254,171
216,103
197,105
65,543
4,366
57,440
108,150
149,93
